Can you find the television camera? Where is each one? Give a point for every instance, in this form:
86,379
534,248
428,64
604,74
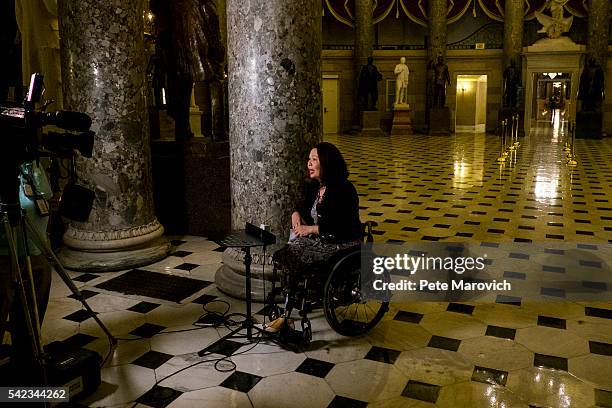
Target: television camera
21,141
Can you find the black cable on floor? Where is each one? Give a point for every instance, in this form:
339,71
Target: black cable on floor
220,319
216,365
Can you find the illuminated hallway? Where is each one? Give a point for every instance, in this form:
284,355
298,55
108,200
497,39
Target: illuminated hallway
453,189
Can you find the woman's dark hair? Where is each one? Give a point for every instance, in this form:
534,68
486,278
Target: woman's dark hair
333,168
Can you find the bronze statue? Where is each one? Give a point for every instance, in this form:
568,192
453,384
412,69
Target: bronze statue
591,90
189,47
441,79
368,85
512,81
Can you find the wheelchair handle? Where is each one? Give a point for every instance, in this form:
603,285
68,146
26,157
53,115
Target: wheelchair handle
367,230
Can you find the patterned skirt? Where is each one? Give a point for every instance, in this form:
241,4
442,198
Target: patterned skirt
309,255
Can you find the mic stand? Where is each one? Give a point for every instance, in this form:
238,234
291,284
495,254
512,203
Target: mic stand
246,239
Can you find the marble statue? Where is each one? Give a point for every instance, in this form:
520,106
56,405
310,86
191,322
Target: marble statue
441,79
38,24
591,90
401,82
512,81
368,85
555,24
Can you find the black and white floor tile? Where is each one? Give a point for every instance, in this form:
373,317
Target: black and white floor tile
509,353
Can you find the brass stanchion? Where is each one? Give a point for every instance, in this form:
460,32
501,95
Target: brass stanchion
505,139
516,131
502,147
511,145
571,157
568,135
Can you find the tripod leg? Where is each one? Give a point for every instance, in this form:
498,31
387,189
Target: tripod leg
59,268
31,321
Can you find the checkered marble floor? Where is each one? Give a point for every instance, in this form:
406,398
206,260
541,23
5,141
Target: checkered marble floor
423,354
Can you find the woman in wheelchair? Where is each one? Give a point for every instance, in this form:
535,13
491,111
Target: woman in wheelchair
325,229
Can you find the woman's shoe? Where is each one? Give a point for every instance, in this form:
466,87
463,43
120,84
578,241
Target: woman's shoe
277,324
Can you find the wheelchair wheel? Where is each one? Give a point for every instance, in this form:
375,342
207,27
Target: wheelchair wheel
346,309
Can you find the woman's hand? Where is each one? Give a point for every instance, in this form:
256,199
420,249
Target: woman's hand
296,220
303,230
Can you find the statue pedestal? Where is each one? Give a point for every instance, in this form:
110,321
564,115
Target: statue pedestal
588,125
181,173
195,121
207,168
402,124
439,121
370,124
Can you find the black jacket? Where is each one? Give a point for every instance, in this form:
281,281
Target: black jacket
338,212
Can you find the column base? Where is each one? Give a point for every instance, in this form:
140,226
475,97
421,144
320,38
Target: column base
85,261
230,278
402,124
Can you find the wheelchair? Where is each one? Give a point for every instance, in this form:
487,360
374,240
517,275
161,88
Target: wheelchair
334,286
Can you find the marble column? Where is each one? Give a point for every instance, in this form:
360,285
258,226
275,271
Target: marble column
363,47
274,56
438,10
364,32
103,71
513,32
599,26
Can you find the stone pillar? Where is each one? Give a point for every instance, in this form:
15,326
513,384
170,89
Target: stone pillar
274,56
364,32
597,43
438,10
364,44
103,67
513,32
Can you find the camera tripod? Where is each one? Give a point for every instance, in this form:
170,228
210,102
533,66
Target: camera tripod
17,228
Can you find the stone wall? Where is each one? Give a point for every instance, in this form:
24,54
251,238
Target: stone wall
460,62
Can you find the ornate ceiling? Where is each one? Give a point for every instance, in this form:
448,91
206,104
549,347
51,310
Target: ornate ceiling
416,10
